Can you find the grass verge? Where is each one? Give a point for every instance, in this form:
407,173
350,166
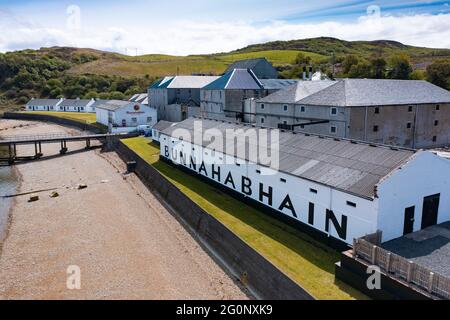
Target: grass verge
88,118
306,261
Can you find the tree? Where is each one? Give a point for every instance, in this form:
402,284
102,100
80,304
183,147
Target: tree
349,61
302,59
400,67
438,73
378,68
116,95
361,70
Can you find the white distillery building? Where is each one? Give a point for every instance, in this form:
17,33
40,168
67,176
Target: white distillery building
76,105
343,188
124,116
159,127
43,104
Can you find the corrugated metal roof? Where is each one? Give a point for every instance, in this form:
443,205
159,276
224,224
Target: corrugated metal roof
277,84
353,167
43,102
162,125
377,92
296,92
243,79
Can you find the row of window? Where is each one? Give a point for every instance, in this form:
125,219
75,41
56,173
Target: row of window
333,110
408,125
410,109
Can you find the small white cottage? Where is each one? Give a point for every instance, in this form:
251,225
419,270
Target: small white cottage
76,105
43,104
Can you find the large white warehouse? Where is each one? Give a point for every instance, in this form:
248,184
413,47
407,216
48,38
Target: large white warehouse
343,188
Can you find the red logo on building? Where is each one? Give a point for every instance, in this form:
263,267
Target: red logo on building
136,107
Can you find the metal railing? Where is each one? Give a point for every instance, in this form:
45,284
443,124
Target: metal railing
23,137
398,267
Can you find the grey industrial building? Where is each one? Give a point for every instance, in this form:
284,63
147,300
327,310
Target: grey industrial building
397,112
177,98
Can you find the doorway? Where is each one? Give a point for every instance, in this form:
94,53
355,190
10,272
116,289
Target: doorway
430,210
408,226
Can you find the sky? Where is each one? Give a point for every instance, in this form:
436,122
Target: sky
181,27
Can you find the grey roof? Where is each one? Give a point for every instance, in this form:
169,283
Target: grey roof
376,92
296,92
139,97
111,105
243,79
349,166
43,102
162,125
75,103
246,64
277,84
183,82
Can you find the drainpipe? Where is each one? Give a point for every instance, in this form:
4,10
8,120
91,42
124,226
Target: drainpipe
365,126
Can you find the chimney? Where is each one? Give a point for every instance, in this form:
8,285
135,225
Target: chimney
310,73
304,73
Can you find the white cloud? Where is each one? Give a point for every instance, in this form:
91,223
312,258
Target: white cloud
195,37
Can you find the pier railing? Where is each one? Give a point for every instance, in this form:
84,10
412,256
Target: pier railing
398,267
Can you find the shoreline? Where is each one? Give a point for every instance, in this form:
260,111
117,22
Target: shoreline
126,243
17,177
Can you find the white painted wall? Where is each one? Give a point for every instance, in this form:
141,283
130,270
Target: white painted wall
361,220
425,175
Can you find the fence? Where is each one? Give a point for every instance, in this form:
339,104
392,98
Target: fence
398,267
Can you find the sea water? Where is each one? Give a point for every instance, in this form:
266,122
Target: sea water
8,186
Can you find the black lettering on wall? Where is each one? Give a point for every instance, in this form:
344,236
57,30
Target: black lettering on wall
341,228
229,179
182,158
166,151
263,194
203,168
193,164
311,214
246,184
216,172
287,204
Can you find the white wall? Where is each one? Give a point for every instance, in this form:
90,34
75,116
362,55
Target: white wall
425,175
360,220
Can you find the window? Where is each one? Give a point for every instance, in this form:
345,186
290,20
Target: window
408,125
377,110
438,107
434,139
258,171
333,129
262,120
351,204
262,106
410,108
178,91
149,119
82,108
313,191
238,164
283,180
302,109
333,111
285,108
284,122
436,123
375,128
133,120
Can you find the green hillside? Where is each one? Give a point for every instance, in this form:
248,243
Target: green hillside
88,73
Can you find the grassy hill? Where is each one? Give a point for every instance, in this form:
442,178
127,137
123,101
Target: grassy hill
161,65
88,73
280,53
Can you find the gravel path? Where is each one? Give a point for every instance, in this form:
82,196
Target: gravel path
127,245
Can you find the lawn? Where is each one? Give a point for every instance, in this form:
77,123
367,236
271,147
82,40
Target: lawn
306,261
88,118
